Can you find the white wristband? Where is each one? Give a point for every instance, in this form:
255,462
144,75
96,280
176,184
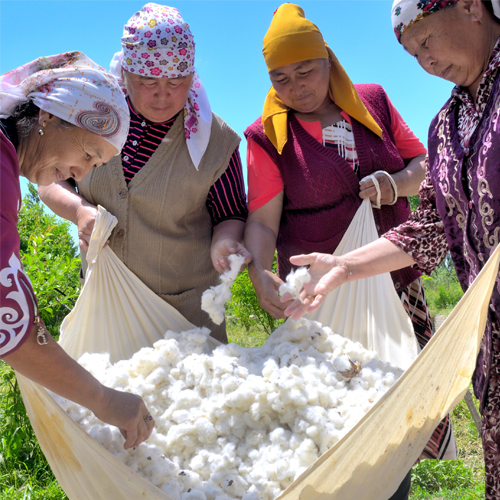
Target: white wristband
377,187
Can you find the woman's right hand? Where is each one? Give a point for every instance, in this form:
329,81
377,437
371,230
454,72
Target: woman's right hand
327,273
85,215
267,286
127,412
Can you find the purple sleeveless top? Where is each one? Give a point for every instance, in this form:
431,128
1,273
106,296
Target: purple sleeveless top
468,201
321,193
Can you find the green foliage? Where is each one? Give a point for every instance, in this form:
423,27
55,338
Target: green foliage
435,475
50,260
24,472
414,202
476,492
442,289
244,309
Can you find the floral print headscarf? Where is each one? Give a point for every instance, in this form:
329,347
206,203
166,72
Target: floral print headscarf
406,13
72,87
158,43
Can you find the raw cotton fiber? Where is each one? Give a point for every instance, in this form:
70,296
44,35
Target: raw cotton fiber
214,299
295,281
238,423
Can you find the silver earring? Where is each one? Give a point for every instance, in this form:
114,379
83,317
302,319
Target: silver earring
41,132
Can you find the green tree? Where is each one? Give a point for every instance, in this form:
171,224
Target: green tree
50,259
244,306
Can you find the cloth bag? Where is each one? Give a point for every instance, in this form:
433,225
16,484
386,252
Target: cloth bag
115,312
369,463
369,310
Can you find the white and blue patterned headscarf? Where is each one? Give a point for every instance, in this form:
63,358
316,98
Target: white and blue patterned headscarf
406,13
72,87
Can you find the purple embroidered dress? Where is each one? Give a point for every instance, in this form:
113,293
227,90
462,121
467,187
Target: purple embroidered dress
460,213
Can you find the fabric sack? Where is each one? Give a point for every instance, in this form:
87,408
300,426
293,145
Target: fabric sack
367,464
369,310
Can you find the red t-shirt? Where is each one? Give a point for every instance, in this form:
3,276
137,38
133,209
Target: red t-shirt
264,178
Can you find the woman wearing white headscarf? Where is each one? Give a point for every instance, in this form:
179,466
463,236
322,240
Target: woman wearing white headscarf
60,117
177,189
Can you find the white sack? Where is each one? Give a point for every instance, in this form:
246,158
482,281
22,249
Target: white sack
369,311
368,464
115,312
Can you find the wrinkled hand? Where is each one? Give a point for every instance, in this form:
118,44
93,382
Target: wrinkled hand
327,273
86,215
367,189
267,286
221,250
127,412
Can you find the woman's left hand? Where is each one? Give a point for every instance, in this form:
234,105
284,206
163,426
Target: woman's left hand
367,189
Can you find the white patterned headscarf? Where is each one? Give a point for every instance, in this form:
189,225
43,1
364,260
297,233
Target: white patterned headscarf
72,87
158,43
406,13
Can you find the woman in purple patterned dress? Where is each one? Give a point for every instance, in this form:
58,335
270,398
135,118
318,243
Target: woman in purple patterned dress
60,117
459,41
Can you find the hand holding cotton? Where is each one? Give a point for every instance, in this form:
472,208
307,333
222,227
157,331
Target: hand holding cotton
214,299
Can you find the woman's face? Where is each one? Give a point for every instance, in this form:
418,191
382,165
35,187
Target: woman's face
62,153
302,86
451,44
157,99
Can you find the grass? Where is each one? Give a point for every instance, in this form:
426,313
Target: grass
460,479
25,474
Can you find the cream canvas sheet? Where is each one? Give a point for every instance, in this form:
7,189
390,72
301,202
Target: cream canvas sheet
369,311
368,464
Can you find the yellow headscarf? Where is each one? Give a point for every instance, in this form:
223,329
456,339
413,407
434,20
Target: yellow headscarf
292,38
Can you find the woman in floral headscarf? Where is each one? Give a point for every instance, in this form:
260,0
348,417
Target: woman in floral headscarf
459,212
177,189
60,117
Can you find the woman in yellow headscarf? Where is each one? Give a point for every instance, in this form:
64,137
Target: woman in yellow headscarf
319,136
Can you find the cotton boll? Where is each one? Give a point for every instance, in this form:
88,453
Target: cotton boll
241,398
214,299
251,496
279,436
206,431
236,261
173,489
389,379
295,281
342,364
158,472
193,494
234,485
230,384
307,453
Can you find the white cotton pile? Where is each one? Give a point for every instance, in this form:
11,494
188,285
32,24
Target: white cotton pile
214,299
295,281
238,423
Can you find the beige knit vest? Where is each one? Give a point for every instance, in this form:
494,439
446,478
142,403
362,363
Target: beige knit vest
164,229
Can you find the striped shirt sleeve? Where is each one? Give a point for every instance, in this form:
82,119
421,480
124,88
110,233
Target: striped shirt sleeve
226,198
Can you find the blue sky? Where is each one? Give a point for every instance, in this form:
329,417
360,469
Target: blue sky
228,36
